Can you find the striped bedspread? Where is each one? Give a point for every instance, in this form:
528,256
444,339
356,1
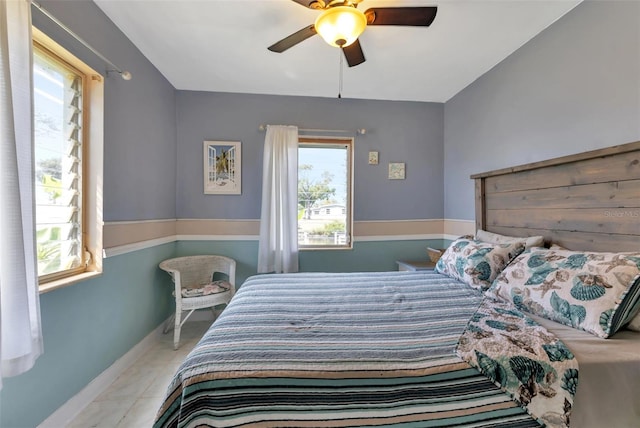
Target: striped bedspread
336,350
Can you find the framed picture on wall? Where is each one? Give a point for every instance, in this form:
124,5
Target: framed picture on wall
222,168
396,171
373,158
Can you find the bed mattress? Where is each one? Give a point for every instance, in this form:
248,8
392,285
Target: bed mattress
608,394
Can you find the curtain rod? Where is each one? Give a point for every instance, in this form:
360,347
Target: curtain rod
114,68
360,131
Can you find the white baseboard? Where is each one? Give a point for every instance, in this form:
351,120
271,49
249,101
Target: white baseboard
72,408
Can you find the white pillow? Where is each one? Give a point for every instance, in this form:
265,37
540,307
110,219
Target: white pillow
557,247
635,323
495,238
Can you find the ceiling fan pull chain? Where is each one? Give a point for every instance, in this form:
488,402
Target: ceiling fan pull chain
340,75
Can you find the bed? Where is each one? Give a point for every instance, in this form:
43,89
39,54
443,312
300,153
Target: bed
586,201
409,349
339,350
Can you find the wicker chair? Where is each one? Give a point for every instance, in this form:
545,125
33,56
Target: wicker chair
190,276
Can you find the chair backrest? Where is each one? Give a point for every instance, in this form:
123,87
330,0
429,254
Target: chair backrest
192,271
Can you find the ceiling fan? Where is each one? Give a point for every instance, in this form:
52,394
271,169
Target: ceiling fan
341,23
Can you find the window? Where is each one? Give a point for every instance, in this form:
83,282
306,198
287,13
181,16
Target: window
64,111
324,193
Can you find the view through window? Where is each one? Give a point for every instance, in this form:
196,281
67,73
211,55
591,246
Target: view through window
324,193
58,120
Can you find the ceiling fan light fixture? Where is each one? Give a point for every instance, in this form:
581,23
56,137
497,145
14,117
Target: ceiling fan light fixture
340,26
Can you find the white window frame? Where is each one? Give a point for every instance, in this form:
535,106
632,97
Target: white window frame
316,141
92,166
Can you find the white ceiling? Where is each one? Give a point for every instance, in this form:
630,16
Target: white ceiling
221,45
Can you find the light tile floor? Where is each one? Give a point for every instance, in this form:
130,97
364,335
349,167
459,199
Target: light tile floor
134,397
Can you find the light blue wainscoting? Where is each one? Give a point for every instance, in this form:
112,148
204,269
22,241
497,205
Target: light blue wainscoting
365,256
86,328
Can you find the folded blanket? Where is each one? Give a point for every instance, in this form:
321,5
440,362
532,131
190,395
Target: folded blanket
523,359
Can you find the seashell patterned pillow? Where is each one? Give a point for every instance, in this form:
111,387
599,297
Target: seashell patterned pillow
595,292
477,263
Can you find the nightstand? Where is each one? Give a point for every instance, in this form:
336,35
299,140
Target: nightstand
416,265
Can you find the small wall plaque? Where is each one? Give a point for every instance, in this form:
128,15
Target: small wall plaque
373,158
396,170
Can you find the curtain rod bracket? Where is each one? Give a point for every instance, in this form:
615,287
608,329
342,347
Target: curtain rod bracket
124,74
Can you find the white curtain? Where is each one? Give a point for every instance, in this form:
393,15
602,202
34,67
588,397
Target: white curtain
278,250
20,328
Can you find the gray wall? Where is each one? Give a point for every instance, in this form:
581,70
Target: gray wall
139,119
408,132
575,87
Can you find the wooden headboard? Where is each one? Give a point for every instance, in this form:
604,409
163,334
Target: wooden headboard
587,201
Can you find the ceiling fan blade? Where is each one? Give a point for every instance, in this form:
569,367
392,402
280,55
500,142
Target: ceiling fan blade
311,4
293,39
353,53
410,16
